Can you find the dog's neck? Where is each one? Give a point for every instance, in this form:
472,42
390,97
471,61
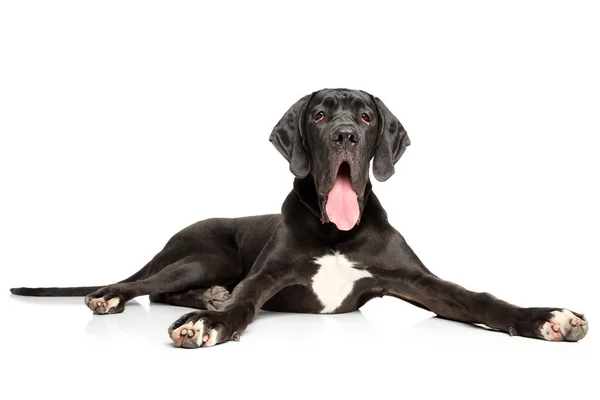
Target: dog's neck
305,193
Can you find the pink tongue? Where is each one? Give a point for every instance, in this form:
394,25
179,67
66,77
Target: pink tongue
342,204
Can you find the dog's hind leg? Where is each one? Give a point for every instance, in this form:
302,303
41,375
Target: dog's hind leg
191,272
205,299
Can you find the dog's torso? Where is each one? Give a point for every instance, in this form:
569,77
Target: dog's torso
339,280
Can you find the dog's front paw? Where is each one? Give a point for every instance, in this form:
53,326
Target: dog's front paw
553,324
565,325
202,329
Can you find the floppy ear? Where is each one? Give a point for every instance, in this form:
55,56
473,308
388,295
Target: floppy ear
287,138
392,142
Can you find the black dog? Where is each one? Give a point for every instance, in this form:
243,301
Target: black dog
331,249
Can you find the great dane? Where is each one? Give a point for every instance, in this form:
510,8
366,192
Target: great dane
330,250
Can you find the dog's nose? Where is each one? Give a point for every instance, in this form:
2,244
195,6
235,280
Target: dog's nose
344,137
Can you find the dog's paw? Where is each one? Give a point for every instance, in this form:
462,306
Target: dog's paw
553,324
202,329
564,325
215,297
102,302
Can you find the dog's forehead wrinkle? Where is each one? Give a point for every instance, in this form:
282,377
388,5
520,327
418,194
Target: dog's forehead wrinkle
358,103
329,102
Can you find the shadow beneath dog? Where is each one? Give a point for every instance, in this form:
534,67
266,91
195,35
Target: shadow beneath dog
317,329
438,329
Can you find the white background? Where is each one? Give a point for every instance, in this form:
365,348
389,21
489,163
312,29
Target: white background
123,122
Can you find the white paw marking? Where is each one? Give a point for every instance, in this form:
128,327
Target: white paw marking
335,279
213,337
199,328
113,302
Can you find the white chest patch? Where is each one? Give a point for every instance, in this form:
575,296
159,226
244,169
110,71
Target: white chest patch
335,279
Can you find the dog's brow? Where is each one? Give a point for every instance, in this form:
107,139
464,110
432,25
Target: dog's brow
328,101
357,104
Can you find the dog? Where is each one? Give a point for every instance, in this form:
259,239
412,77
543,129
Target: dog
330,250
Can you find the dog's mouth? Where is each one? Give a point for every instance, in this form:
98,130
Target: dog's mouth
342,206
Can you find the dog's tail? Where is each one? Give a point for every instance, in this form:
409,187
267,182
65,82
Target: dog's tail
75,291
55,291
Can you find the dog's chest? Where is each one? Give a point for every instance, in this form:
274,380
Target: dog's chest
334,280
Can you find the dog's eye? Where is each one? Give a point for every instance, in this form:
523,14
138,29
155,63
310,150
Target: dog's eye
366,119
319,116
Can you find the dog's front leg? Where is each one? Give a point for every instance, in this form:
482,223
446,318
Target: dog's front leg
207,328
409,280
452,301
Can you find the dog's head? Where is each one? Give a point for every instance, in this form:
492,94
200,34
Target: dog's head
332,135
